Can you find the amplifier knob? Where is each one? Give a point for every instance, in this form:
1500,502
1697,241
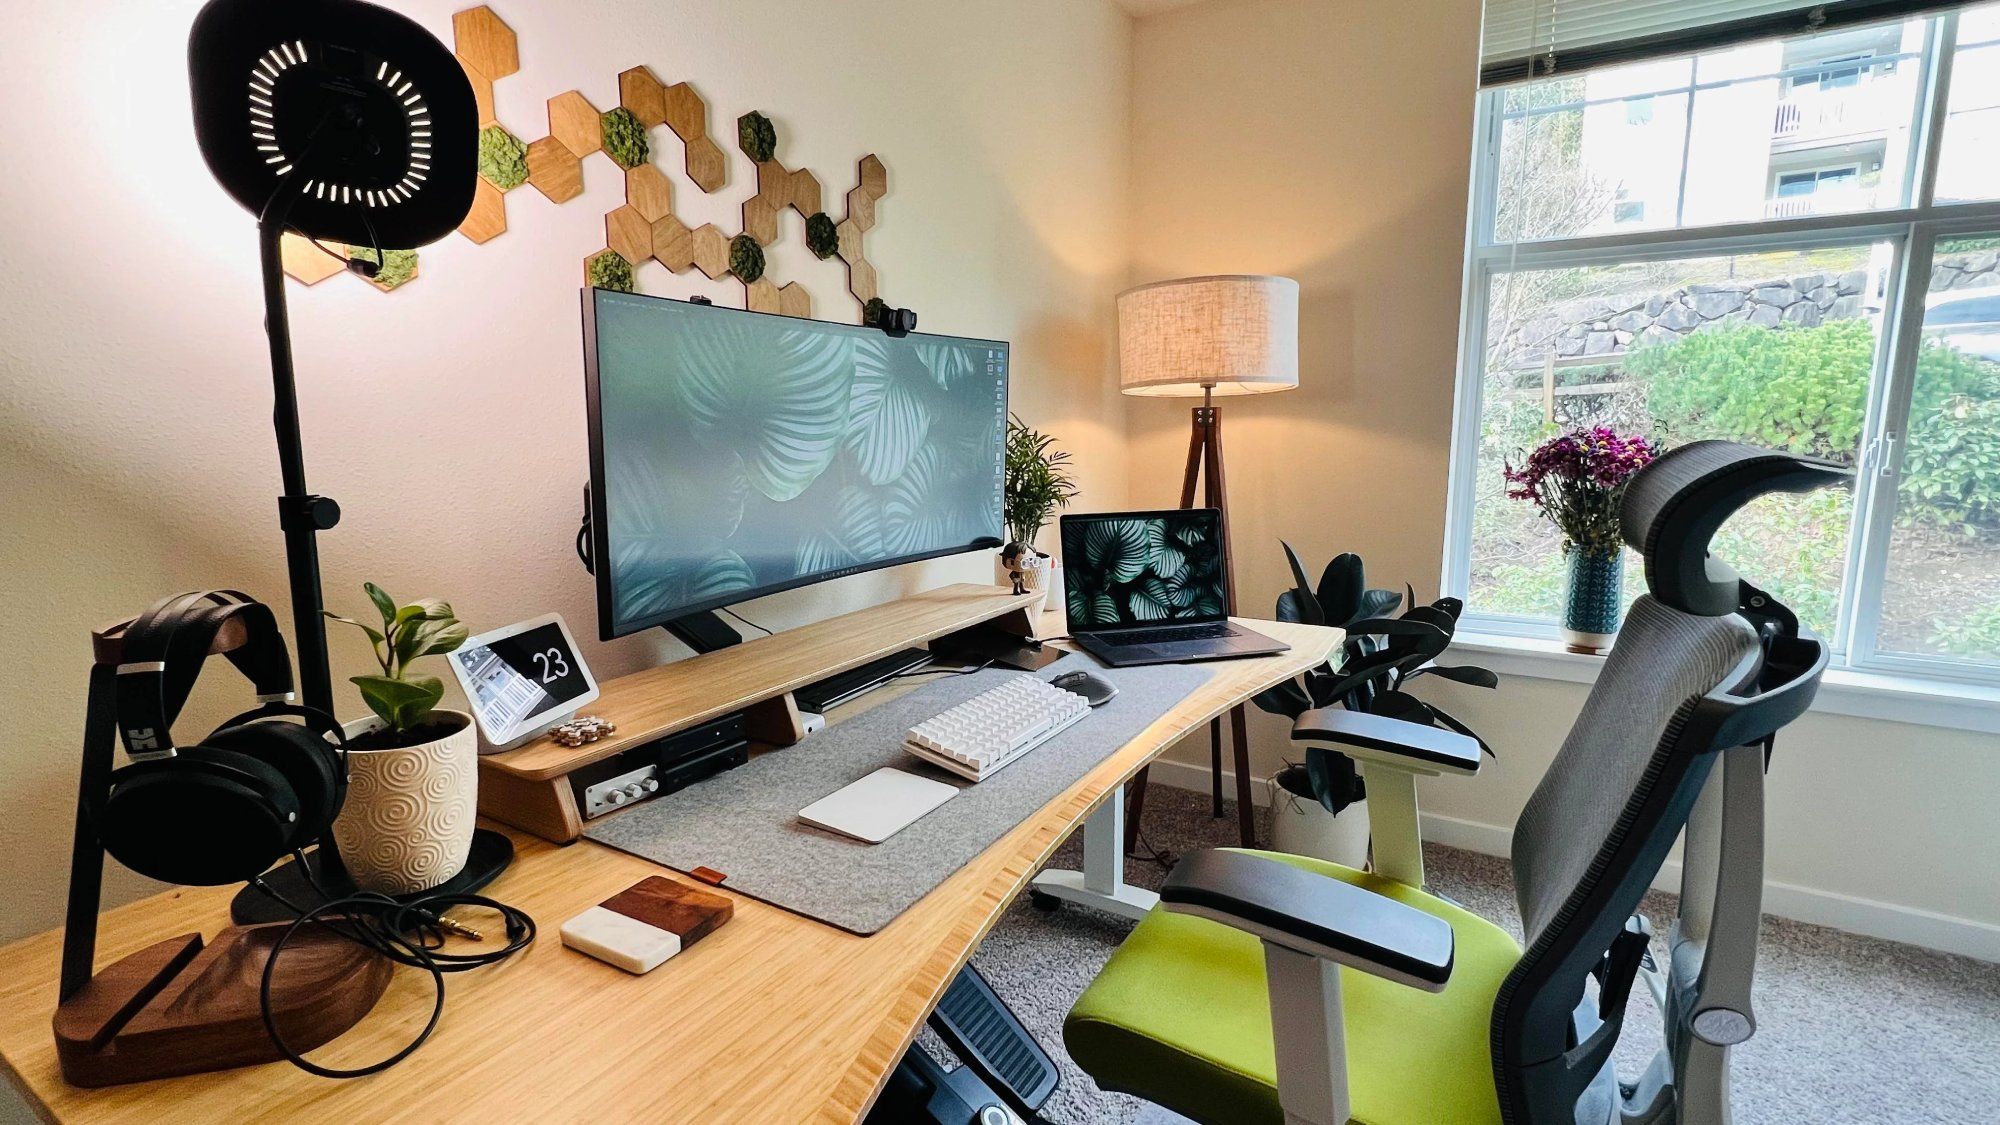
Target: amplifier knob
651,784
634,791
615,797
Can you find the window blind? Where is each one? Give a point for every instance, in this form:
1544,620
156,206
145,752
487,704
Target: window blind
1539,38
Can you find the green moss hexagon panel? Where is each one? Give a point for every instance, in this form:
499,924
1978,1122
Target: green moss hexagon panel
396,267
503,158
608,269
822,235
746,258
625,138
756,136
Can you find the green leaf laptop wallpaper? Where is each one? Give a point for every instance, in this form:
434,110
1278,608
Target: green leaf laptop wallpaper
745,450
1135,569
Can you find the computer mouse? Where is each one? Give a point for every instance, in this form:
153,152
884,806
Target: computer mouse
1098,690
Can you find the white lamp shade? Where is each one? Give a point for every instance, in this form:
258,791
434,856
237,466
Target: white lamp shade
1234,334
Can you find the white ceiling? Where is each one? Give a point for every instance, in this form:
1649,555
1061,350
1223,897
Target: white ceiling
1142,8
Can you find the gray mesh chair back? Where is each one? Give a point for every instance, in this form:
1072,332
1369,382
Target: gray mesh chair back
1705,662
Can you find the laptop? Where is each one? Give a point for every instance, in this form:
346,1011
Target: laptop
1147,588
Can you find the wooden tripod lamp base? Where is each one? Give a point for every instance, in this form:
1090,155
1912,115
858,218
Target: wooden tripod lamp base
1204,467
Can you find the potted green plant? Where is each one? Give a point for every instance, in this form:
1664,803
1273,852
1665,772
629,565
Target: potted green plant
1036,483
1577,481
413,768
1317,804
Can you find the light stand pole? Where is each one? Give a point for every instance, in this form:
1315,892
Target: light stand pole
301,515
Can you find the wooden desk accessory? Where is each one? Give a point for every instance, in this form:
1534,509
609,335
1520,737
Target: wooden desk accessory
529,787
646,923
182,1006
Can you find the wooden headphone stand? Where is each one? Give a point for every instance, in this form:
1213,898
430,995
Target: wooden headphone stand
183,1006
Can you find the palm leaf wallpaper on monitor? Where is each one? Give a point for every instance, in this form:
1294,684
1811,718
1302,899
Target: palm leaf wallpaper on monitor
1134,569
736,454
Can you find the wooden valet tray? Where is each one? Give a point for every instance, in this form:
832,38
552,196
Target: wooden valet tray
184,1007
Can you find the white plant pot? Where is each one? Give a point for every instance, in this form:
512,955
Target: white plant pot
408,820
1302,826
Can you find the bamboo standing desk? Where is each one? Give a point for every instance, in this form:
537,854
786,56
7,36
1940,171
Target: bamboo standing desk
772,1018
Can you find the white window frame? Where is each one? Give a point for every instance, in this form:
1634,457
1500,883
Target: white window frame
1911,231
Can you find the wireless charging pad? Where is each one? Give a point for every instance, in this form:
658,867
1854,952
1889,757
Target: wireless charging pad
491,853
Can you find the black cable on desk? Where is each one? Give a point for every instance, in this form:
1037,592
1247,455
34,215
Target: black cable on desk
383,924
940,671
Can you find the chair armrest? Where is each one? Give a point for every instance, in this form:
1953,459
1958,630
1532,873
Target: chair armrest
1392,742
1313,914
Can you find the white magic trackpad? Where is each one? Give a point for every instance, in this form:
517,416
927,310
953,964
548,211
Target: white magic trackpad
878,806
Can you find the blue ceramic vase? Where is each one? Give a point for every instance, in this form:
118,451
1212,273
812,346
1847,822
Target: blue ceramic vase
1593,599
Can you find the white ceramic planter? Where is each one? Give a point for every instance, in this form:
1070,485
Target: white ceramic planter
407,824
1053,599
1302,826
1041,576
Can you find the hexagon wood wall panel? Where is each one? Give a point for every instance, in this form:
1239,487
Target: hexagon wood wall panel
645,225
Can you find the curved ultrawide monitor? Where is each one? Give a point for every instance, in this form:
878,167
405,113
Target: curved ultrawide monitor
735,454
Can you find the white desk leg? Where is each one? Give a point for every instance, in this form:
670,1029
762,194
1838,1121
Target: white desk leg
1101,883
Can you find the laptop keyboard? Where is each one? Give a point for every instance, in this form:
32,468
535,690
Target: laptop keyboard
1167,634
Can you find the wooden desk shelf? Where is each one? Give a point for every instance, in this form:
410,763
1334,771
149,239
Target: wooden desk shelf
529,788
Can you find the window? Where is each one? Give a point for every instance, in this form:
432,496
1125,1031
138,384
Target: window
1782,249
1833,74
1809,183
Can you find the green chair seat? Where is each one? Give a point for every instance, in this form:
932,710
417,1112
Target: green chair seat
1180,1017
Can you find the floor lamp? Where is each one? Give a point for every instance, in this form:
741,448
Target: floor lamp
1209,336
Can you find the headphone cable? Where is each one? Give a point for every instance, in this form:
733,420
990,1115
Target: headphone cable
382,924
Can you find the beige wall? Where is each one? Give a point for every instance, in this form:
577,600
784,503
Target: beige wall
447,418
1326,140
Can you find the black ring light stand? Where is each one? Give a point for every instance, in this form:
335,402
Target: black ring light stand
345,122
342,121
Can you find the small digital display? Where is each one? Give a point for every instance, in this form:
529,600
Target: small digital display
513,679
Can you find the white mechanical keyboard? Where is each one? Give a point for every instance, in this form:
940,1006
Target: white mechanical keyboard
981,736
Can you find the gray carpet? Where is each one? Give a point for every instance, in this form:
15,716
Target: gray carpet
1850,1029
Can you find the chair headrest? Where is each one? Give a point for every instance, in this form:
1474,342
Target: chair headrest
1674,506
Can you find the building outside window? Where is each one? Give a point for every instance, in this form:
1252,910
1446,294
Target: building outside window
1795,244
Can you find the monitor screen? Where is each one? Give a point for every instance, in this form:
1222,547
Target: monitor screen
735,454
1142,568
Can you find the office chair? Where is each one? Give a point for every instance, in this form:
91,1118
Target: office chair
1269,987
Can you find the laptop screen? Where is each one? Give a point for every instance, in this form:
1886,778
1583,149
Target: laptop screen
1125,569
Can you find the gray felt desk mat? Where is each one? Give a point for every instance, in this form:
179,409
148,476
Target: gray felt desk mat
745,822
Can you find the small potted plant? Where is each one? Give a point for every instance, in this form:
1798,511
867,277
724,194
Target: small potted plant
1577,481
413,769
1037,482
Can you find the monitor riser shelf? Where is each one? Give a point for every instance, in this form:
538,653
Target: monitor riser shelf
529,787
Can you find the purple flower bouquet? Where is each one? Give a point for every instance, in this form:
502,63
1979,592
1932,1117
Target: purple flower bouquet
1577,480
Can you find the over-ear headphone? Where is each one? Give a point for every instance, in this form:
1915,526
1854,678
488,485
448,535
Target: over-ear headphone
223,810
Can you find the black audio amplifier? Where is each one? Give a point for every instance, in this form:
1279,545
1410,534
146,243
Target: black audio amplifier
664,765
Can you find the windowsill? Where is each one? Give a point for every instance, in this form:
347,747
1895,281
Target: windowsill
1868,695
